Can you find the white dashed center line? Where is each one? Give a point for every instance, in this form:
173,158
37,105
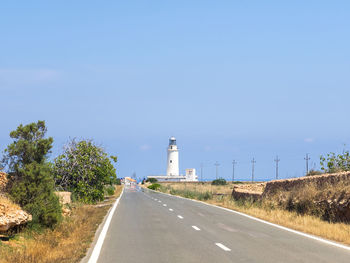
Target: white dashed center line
159,201
180,217
222,247
164,204
196,228
170,209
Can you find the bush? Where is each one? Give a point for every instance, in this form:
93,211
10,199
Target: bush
30,181
205,196
118,181
109,190
84,169
151,180
220,181
314,172
154,186
334,163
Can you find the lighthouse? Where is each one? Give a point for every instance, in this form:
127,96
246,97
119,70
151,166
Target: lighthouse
173,158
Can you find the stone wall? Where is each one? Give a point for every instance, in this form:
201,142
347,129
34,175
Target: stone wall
296,183
326,196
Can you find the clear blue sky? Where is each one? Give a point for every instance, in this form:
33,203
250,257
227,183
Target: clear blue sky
229,79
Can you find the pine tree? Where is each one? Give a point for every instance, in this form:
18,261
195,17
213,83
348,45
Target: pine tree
30,175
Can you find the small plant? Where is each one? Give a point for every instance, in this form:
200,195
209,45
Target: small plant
314,172
151,180
205,196
220,181
154,186
109,190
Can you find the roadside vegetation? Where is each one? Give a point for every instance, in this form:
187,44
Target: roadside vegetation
31,184
154,186
84,169
269,210
67,242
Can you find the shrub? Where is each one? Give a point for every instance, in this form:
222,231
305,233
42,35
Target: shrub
109,190
30,181
220,181
84,169
335,162
154,186
314,172
205,196
118,181
151,180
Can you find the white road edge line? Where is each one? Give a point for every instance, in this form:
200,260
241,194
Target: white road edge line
222,247
196,228
328,242
170,209
97,249
180,217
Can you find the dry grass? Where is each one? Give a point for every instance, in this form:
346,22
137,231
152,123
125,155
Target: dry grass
6,203
68,242
339,232
201,187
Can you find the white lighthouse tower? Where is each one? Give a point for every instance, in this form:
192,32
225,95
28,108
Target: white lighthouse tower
173,158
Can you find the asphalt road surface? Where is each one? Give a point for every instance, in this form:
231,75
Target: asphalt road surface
153,227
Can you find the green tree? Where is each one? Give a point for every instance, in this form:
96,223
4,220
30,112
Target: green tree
333,163
84,169
30,178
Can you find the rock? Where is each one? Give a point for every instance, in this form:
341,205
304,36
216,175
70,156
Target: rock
3,181
11,215
65,197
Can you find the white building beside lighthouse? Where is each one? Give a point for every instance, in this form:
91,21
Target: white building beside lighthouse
173,159
173,171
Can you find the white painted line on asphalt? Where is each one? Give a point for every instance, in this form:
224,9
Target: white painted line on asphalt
170,209
155,199
196,228
97,249
180,217
164,204
328,242
222,247
159,201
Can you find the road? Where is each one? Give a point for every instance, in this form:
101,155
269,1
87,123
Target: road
153,227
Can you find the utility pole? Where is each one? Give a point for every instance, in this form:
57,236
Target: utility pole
201,172
233,170
307,159
217,169
277,161
253,164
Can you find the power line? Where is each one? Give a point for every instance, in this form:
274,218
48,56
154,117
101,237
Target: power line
277,161
233,170
253,164
217,168
307,159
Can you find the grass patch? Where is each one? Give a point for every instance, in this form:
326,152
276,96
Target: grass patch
68,242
